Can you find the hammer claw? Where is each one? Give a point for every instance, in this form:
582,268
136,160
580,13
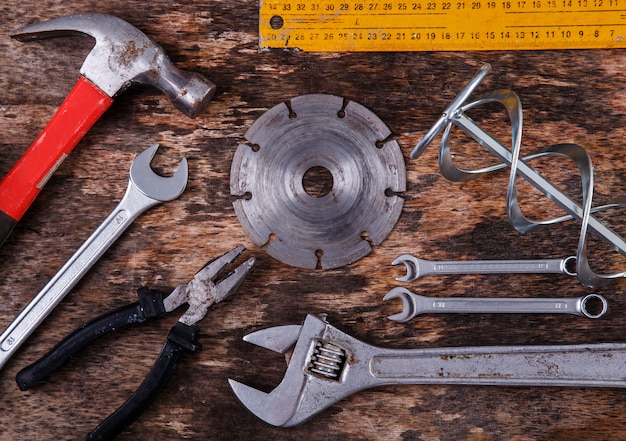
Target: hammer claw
59,27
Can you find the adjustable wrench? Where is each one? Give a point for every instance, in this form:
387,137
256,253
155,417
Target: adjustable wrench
416,268
145,189
327,365
414,304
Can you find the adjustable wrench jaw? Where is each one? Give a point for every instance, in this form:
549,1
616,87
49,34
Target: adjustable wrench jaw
322,370
278,407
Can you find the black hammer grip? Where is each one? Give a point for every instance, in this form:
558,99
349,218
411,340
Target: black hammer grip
182,338
150,306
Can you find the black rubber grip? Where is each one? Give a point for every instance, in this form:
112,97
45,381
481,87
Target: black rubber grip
7,223
150,306
182,338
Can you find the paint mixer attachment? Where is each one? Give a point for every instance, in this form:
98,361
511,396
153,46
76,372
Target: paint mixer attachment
456,115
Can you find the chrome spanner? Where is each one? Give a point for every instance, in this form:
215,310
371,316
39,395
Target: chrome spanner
414,304
145,189
327,365
416,267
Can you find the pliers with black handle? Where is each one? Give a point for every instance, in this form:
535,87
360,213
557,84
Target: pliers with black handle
200,293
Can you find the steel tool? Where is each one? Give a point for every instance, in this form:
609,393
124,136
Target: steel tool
145,189
416,268
200,293
414,304
341,139
122,56
456,114
327,365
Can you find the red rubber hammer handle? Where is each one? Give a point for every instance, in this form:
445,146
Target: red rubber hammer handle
21,185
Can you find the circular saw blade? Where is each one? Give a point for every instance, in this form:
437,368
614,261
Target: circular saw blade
346,141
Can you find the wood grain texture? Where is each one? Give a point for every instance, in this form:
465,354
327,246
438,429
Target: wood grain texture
568,96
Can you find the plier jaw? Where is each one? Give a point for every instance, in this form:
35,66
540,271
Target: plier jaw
204,290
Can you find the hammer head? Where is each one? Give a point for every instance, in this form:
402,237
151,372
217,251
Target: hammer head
122,56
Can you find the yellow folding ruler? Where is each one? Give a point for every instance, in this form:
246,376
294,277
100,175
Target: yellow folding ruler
425,25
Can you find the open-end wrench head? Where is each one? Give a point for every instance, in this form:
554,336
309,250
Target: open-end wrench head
154,186
124,55
412,267
408,306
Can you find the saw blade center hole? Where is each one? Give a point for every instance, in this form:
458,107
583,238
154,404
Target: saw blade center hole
317,181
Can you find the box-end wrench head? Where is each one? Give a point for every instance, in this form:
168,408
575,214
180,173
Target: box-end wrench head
416,267
414,304
145,189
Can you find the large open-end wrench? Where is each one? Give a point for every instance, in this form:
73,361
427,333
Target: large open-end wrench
145,189
414,304
327,365
416,267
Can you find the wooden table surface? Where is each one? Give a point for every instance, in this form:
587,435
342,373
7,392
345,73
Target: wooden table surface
568,96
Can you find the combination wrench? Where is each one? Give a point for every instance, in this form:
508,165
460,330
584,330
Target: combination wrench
145,190
414,304
416,267
327,365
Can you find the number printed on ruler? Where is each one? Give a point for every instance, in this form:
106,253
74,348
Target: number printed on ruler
424,25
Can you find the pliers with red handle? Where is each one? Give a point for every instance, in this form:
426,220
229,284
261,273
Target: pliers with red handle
200,293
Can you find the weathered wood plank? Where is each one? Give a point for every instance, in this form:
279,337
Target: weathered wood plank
568,96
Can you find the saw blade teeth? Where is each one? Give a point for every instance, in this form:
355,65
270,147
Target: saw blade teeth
380,228
244,165
368,122
249,220
396,175
277,116
302,259
316,105
349,147
337,257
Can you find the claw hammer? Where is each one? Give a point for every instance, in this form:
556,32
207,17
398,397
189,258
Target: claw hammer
121,57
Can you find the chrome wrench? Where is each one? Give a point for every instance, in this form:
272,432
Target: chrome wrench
327,365
145,189
414,304
416,267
